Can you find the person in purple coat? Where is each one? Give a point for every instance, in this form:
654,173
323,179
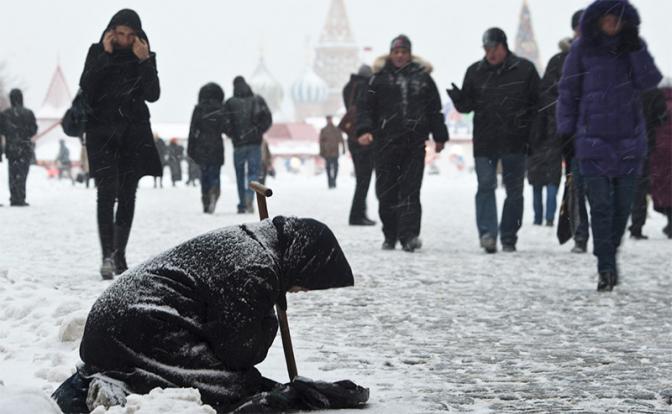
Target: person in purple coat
606,71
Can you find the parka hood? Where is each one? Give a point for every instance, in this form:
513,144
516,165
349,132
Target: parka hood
211,92
16,98
240,88
310,255
381,61
590,31
127,17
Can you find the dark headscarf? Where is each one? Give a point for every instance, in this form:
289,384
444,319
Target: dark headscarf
311,256
16,98
129,18
211,92
240,88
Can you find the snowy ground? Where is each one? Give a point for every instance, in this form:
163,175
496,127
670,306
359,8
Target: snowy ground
446,329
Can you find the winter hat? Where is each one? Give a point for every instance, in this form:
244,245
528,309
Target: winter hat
401,41
211,92
365,70
241,88
576,19
16,97
494,36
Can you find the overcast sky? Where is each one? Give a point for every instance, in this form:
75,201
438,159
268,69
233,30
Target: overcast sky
197,41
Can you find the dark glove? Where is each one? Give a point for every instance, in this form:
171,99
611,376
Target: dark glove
630,40
455,93
281,301
567,145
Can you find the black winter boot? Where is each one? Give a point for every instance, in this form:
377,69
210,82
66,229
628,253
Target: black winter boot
606,281
121,235
205,199
106,234
214,196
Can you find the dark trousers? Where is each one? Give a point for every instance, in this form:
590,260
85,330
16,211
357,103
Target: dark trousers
610,203
363,163
581,233
247,163
18,174
119,189
538,202
210,177
399,171
332,170
639,202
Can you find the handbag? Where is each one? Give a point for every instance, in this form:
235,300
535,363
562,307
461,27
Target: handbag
74,119
349,120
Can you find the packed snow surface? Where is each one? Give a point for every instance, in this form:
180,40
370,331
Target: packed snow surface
447,328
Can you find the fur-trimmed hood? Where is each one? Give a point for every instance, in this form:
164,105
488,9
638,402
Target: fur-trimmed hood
590,31
380,62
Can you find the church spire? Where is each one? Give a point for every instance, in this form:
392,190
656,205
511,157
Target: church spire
526,44
336,28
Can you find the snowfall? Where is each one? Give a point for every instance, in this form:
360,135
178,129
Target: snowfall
446,329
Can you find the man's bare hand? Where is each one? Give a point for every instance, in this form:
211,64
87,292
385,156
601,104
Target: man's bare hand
365,139
140,49
439,146
108,41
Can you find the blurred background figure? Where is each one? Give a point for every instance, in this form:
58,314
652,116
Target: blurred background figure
63,162
267,168
162,149
175,155
661,163
331,143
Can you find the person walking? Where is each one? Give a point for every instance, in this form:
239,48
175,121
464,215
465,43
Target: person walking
250,118
119,76
174,158
18,126
63,161
401,108
607,69
331,142
655,112
502,90
206,144
162,150
362,155
267,168
661,167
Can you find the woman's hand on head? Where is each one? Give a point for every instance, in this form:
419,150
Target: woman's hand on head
108,41
141,49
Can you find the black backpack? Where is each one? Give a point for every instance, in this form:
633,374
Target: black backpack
74,119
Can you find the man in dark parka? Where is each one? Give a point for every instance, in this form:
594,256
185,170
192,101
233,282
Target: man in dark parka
206,144
400,110
119,77
502,90
202,313
250,118
18,125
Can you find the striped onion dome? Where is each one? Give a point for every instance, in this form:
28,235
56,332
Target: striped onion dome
309,88
264,84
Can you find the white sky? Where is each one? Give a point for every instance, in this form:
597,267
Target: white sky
198,41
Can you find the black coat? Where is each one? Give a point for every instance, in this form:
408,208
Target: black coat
655,114
544,166
504,100
402,106
18,126
201,314
208,122
249,116
119,135
353,92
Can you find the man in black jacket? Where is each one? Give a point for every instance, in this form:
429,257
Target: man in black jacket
206,144
201,314
400,109
249,118
18,125
502,90
119,76
362,156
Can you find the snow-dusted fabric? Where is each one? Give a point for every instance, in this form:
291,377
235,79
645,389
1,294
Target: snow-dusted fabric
201,314
249,115
600,94
402,106
208,122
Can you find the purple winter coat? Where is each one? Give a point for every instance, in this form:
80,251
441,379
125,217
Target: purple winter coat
600,95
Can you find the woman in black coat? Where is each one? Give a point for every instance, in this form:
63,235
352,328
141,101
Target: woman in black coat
119,77
206,145
201,314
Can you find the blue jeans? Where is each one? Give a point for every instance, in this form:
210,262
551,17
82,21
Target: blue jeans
610,203
581,233
332,171
513,172
551,202
209,177
250,156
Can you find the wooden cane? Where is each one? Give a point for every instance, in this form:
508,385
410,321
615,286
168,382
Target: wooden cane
263,192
